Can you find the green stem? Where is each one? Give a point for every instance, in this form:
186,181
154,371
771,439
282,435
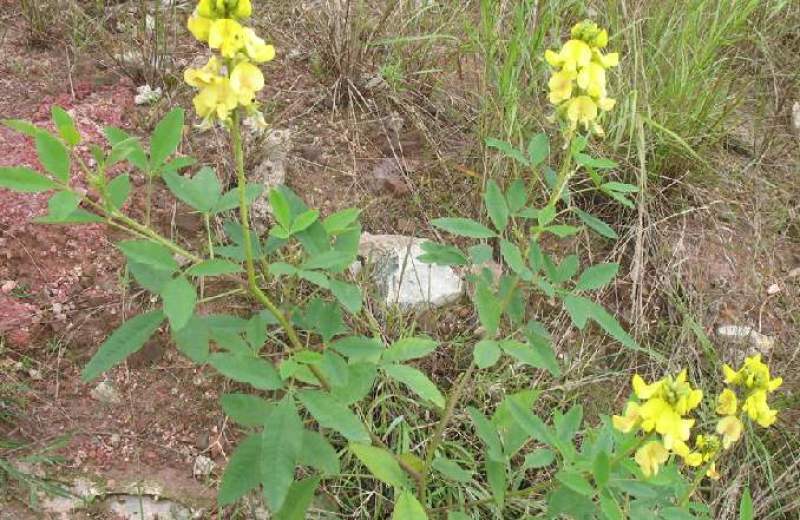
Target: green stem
565,173
207,220
438,434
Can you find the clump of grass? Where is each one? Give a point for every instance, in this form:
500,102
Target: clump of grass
38,20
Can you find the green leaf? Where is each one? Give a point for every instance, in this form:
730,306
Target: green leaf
601,468
620,187
381,464
498,479
360,380
23,127
486,353
359,348
348,294
516,195
441,254
574,481
328,260
596,224
148,277
298,500
597,276
118,190
507,149
280,208
65,126
179,163
330,413
496,205
480,253
61,205
513,257
241,474
539,339
562,230
408,507
319,454
540,458
246,409
123,342
546,215
230,200
179,297
451,469
249,369
487,433
578,309
610,508
214,267
525,353
463,227
566,269
538,149
53,155
192,340
592,162
201,192
746,505
304,221
406,349
532,424
24,180
340,221
457,515
416,381
149,253
489,309
282,441
136,155
324,318
166,137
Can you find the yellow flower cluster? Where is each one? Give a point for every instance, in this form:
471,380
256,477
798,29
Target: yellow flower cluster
230,80
578,83
662,406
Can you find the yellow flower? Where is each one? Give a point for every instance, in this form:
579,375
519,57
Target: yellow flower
607,61
690,458
650,457
226,35
560,87
243,9
757,408
256,49
217,99
592,79
209,9
727,403
575,54
199,26
601,40
246,80
606,104
642,389
583,110
732,377
628,421
204,76
730,428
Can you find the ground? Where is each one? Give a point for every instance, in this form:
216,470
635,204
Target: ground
729,256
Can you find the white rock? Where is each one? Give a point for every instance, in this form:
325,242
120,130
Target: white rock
270,172
8,286
402,279
760,342
106,393
138,507
773,289
203,466
145,95
796,117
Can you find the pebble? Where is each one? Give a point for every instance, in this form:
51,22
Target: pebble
773,289
203,466
106,393
760,342
8,286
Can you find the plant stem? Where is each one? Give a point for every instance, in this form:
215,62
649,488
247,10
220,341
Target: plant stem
207,220
438,434
565,173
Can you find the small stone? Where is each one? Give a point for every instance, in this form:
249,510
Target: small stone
270,172
761,343
773,289
106,393
796,117
387,176
35,374
115,439
402,279
203,466
145,95
794,273
8,286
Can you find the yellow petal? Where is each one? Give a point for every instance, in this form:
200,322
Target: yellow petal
256,49
226,35
199,27
246,81
727,403
553,58
731,429
243,9
650,457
